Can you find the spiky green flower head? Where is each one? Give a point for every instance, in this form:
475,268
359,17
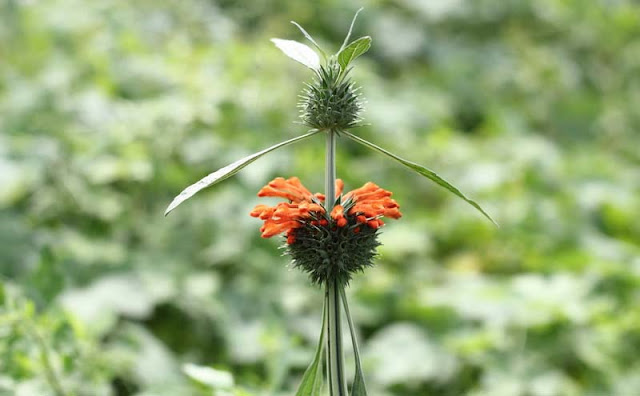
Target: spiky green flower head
331,101
327,244
326,251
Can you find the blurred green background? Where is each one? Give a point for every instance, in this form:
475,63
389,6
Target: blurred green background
109,108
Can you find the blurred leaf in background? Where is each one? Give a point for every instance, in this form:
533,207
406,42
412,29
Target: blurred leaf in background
108,109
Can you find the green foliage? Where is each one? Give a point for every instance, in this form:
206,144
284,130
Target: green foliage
228,171
298,52
353,50
431,175
110,108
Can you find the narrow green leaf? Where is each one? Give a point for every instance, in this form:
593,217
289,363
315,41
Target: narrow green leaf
298,52
228,171
313,379
353,50
353,21
358,388
429,174
308,36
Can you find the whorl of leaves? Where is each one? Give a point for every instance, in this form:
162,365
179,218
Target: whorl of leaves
331,101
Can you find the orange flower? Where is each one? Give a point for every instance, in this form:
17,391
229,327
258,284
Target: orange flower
372,202
286,216
337,214
362,206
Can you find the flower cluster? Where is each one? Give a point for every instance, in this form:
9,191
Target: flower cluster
327,244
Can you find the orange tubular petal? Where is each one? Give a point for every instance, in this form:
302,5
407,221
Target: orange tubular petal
371,210
393,213
373,223
268,191
338,215
271,228
267,214
258,210
391,203
290,189
295,184
339,187
278,182
374,195
368,187
312,207
285,211
337,212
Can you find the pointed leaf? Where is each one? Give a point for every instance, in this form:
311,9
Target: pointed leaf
298,52
313,379
353,50
353,21
308,36
358,388
429,174
228,171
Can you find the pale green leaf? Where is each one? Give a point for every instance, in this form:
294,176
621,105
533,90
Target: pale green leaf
228,171
358,388
313,379
423,171
298,52
353,50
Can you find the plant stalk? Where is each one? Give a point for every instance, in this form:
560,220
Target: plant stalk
335,364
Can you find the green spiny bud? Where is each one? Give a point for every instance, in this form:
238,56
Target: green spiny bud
331,101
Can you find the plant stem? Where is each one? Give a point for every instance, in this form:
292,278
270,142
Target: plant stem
335,364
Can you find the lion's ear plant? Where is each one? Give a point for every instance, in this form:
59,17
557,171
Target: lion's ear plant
330,236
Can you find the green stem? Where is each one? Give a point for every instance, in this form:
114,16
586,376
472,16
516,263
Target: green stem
335,364
337,383
359,386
